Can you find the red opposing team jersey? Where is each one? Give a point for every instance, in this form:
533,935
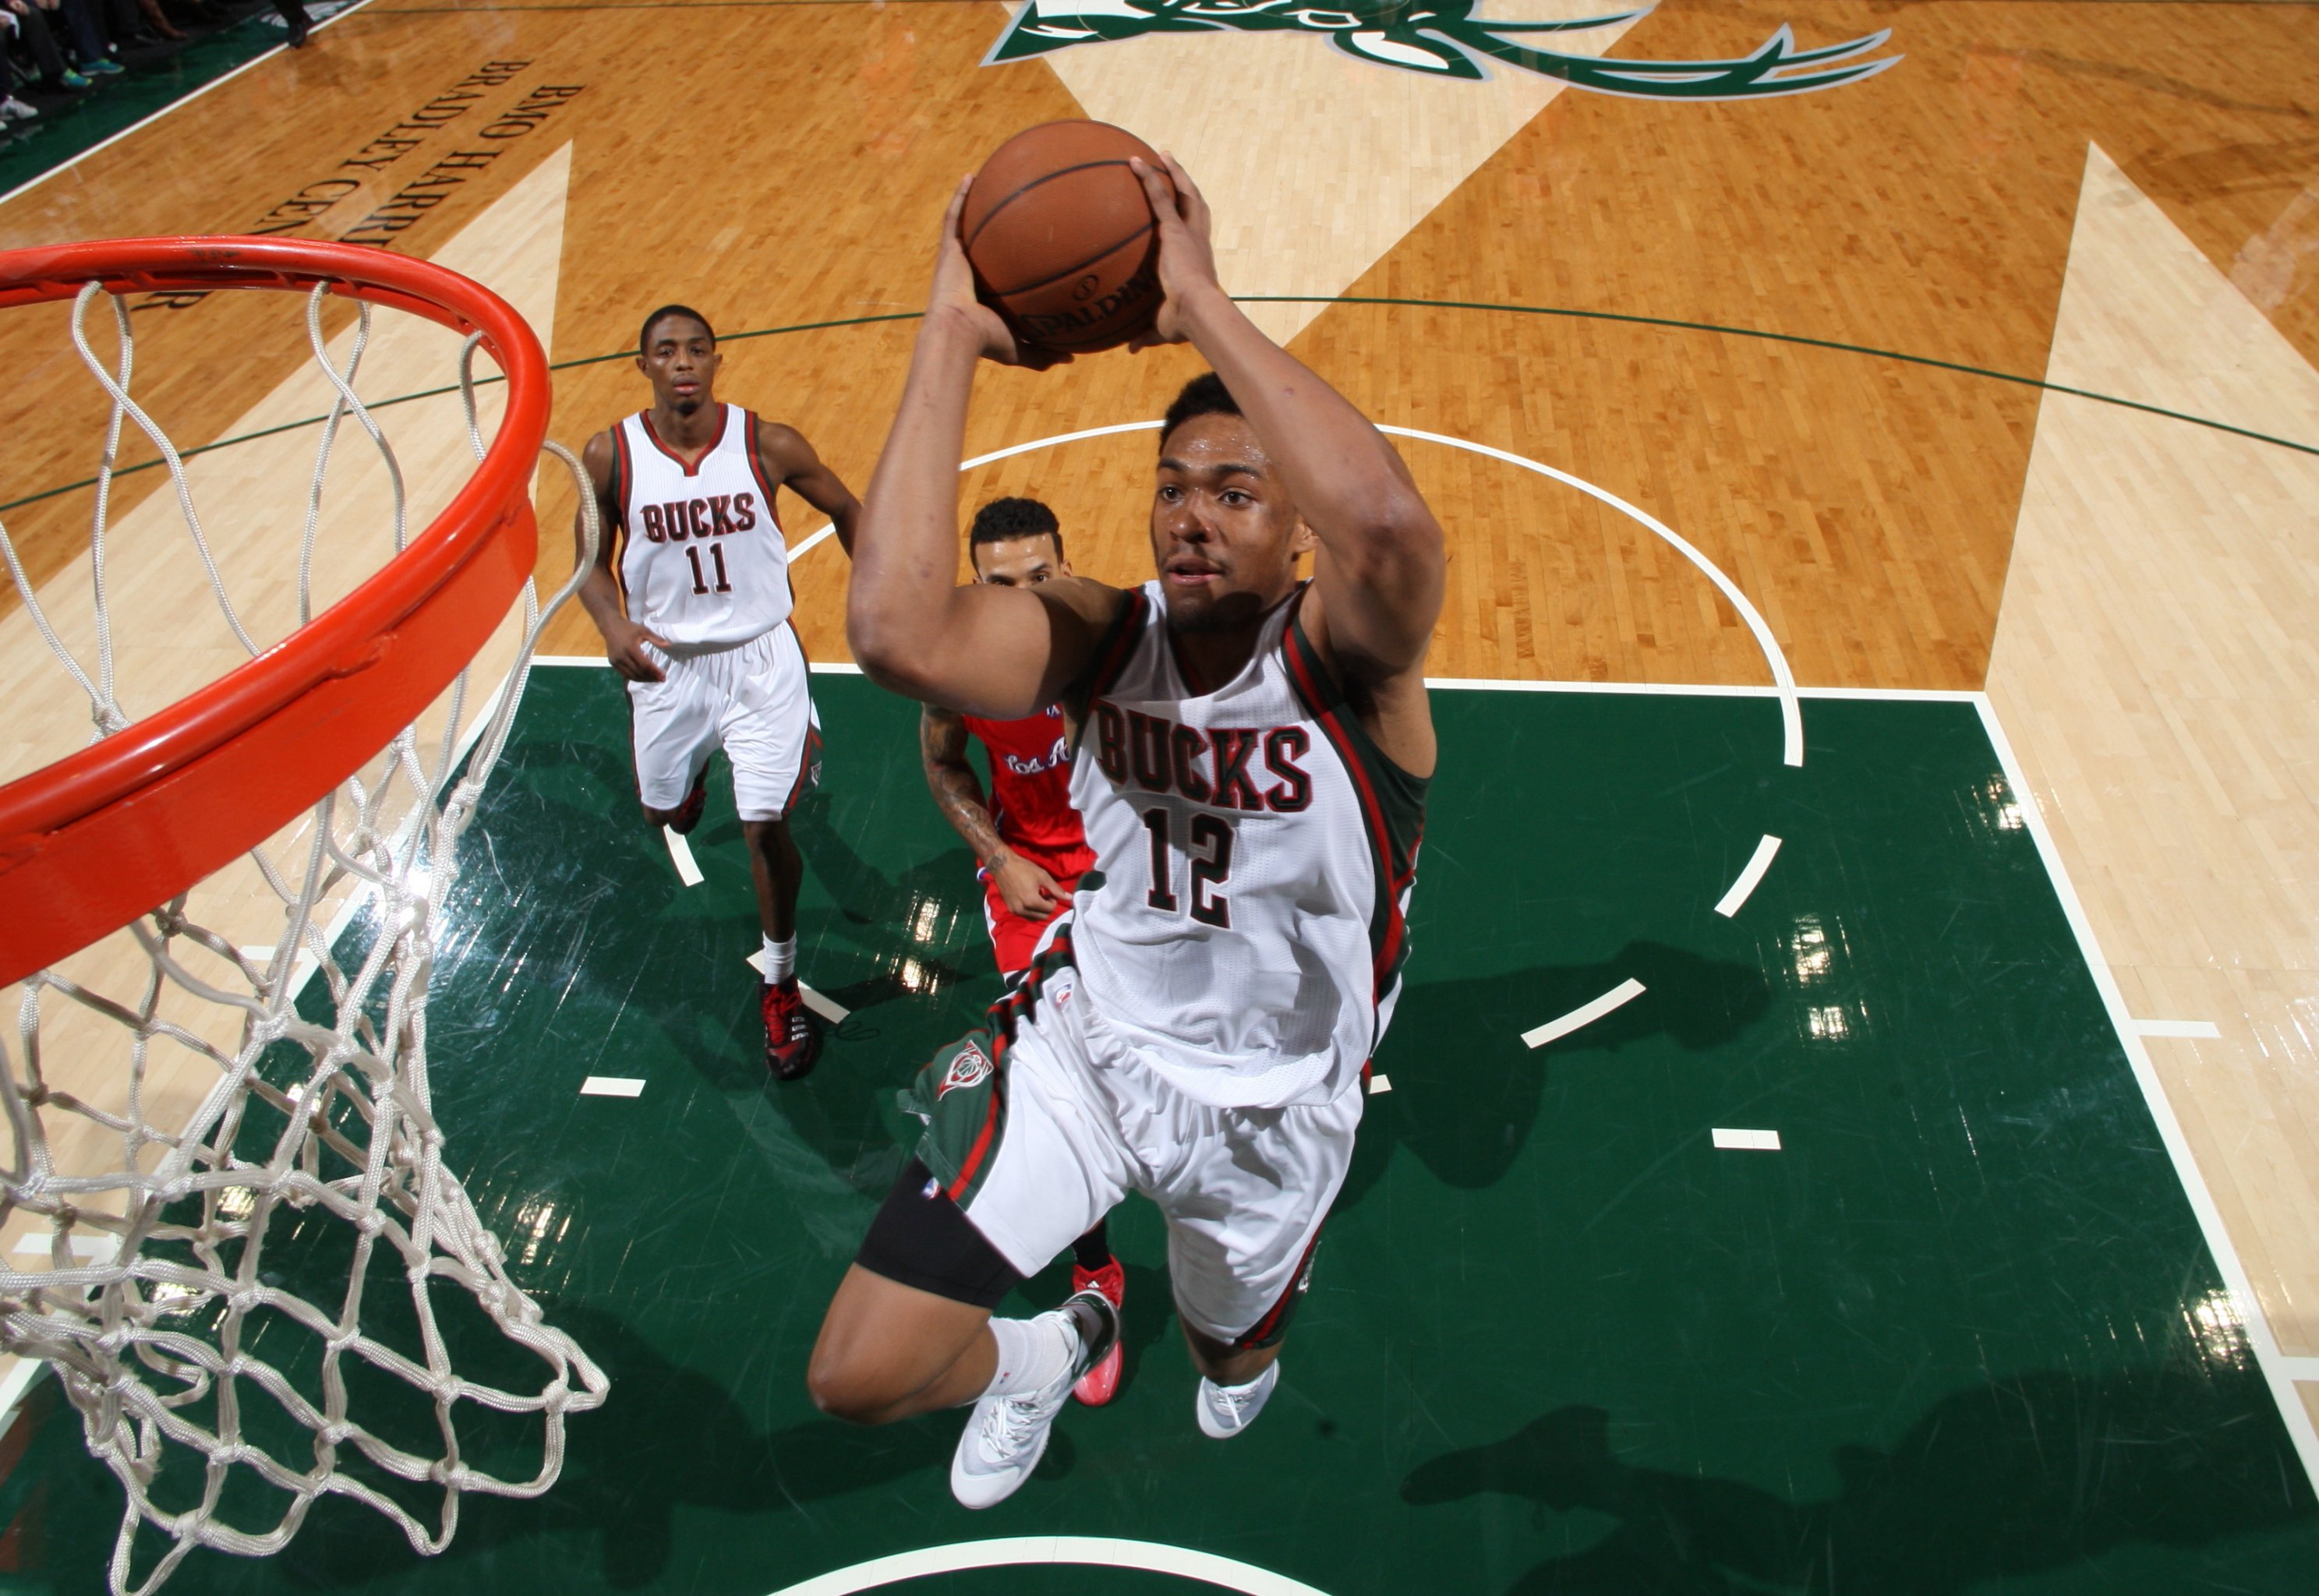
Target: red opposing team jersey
1031,791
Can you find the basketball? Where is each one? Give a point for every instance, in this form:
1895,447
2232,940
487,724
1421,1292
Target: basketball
1062,242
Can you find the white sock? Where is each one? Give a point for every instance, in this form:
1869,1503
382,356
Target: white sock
780,961
1033,1353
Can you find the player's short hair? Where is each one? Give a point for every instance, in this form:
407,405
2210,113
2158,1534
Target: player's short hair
1002,520
644,333
1204,395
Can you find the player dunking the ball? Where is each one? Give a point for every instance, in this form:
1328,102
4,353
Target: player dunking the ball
691,592
1026,836
1252,774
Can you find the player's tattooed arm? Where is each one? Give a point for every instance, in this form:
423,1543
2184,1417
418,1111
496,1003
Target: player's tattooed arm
958,792
599,593
788,461
1028,891
996,651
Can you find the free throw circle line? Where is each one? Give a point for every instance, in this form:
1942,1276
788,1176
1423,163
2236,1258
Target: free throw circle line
1022,448
1792,719
1752,876
1101,1551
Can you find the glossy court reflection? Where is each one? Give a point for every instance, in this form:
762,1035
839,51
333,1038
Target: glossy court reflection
1807,333
1959,1332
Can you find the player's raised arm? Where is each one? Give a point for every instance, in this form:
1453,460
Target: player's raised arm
1380,579
995,651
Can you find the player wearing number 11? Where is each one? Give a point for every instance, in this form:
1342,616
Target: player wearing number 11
691,592
1251,770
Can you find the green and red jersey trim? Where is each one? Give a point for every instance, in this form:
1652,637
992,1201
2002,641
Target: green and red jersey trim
961,1150
1112,652
1392,801
623,476
1268,1331
757,470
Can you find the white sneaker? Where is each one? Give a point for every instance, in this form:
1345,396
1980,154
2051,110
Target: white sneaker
1225,1411
1006,1436
12,109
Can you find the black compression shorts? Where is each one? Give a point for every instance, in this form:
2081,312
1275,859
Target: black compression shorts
922,1239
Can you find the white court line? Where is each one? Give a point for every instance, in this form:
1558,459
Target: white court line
2202,1029
82,1245
1747,1140
679,853
19,1380
1488,684
1750,878
1378,1083
1491,684
1586,1013
145,121
1702,689
611,1086
821,1002
1792,718
804,544
1101,1551
2235,1280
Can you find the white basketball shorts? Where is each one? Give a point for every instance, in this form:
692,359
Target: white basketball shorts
755,699
1038,1124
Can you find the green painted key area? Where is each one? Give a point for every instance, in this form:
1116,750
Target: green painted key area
1959,1334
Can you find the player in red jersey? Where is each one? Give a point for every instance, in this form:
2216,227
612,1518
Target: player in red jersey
1027,837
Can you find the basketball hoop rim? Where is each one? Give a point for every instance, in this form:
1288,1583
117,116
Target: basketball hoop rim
335,680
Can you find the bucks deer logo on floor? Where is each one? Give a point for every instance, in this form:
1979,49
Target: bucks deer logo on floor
1445,39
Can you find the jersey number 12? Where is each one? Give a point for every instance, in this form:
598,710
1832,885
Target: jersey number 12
1209,834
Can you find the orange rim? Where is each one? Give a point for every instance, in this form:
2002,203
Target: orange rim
96,839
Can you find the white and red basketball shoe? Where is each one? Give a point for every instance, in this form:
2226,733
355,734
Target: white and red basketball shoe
1100,1384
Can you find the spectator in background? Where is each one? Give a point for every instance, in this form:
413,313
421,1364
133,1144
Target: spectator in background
159,20
31,22
12,109
88,41
94,32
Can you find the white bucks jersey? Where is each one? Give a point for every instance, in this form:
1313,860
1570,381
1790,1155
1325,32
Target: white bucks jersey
1242,930
703,564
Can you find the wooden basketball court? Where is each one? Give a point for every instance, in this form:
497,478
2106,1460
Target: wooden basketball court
1962,377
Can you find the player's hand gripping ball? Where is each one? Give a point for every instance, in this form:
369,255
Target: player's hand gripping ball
1061,237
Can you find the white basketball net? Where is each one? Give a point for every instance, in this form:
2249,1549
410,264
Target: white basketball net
256,1305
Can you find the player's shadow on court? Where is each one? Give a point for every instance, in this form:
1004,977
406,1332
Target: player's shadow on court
2036,1473
1466,1088
887,917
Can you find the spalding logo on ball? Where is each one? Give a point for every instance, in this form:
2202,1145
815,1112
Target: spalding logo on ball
1062,242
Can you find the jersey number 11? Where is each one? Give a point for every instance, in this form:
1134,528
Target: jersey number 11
699,581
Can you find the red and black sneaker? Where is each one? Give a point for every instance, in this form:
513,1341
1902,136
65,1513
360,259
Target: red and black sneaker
688,814
792,1039
1100,1384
